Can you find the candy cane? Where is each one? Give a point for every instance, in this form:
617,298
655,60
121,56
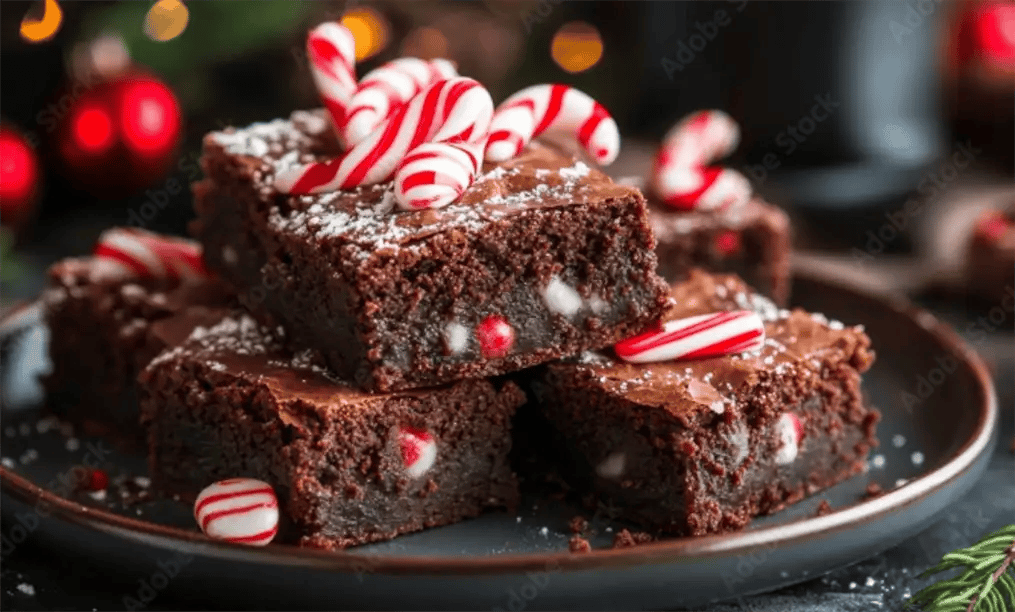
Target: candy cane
383,90
681,177
553,109
240,510
434,174
711,335
457,109
140,254
331,50
698,188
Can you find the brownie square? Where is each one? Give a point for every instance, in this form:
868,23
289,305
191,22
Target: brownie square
753,242
542,257
98,321
701,446
230,401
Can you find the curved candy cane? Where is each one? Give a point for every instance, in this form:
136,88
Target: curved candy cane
331,51
552,109
140,254
453,110
434,174
711,335
383,90
681,177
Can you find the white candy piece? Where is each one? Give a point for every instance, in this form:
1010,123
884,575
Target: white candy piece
613,466
788,429
561,298
239,510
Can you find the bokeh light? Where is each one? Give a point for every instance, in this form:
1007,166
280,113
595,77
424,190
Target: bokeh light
18,169
577,46
995,33
44,28
370,30
151,117
166,20
93,129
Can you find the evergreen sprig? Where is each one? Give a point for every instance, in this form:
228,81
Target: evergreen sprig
987,583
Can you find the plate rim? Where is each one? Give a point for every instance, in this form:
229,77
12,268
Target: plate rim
665,551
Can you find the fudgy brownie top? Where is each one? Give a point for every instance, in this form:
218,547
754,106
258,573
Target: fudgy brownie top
241,348
363,220
795,341
669,223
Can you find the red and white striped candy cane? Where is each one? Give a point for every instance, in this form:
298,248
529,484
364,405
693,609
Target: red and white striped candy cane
453,110
435,174
681,176
383,90
552,109
140,254
699,139
331,51
702,188
711,335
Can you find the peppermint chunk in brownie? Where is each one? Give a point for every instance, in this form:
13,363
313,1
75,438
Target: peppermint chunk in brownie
541,258
349,467
701,446
98,318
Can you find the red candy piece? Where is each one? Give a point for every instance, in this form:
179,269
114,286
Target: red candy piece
728,242
97,480
993,226
496,336
419,450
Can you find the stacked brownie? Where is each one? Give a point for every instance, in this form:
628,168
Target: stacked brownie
356,380
368,363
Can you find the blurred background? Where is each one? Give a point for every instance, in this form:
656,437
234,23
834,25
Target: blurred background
850,111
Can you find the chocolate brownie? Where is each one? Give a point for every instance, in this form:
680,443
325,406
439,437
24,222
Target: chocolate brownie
541,258
701,446
754,242
349,466
98,320
991,255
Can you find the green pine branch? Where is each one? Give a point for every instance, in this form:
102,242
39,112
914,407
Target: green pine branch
986,584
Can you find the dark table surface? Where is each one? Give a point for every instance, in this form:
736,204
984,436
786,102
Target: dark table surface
38,578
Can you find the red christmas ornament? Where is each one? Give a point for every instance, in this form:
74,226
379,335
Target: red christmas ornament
120,134
19,177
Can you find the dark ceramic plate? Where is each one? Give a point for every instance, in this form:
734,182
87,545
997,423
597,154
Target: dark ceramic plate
939,426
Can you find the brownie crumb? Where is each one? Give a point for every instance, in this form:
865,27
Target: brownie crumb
578,545
626,539
578,524
823,508
873,490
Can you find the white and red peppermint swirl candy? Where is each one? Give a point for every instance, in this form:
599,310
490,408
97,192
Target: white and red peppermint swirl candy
791,432
552,109
419,451
135,253
331,52
454,110
681,176
698,337
383,90
435,174
240,510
